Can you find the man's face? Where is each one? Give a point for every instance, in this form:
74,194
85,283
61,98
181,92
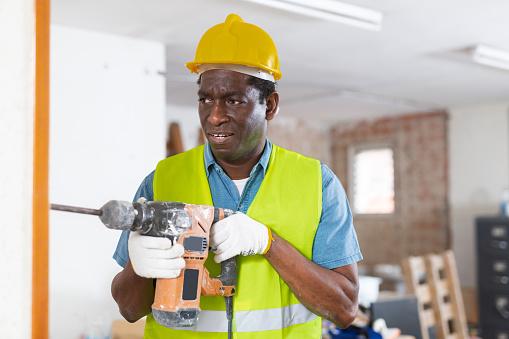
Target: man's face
232,118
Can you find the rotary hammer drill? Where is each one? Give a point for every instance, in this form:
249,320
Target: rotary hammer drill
177,300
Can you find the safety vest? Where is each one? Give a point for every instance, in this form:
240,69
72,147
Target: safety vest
289,201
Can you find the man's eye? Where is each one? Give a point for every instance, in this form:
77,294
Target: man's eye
235,102
204,100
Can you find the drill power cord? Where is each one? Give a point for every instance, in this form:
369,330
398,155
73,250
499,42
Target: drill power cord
229,315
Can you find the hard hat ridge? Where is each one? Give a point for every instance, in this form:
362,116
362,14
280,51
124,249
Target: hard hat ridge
236,42
230,20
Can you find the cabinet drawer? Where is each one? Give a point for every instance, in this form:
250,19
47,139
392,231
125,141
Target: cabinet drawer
494,308
493,236
493,271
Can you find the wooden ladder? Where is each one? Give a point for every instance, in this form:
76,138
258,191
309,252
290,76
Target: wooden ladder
433,278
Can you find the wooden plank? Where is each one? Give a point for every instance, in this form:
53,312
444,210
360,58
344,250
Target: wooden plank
434,264
441,290
448,304
443,287
458,308
122,329
423,293
429,317
447,311
40,202
470,302
201,137
174,144
406,269
413,269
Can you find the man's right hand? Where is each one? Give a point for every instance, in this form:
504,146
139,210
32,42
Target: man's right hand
155,257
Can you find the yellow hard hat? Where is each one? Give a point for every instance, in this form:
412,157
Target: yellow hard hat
236,42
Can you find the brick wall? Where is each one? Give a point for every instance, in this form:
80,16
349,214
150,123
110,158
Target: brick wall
420,223
302,137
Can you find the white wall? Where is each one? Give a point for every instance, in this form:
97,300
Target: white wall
107,132
478,173
17,34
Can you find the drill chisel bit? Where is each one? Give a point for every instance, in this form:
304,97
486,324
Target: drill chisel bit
74,209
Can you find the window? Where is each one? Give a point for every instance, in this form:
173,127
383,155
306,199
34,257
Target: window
372,180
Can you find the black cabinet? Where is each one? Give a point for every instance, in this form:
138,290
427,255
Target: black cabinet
493,276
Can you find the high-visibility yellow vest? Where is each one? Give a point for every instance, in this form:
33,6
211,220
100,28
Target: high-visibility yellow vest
289,201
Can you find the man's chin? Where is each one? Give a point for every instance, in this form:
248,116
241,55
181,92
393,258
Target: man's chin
222,152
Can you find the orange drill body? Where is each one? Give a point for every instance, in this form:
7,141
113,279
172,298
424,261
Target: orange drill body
177,300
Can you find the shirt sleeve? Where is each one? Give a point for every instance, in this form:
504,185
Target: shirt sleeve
335,242
146,190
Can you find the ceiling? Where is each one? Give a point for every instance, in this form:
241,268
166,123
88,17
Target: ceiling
418,62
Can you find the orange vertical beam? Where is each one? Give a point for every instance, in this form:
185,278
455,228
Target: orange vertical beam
40,203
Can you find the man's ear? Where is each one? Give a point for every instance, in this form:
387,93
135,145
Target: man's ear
272,106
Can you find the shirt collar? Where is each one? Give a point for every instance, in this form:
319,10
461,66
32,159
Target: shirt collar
210,162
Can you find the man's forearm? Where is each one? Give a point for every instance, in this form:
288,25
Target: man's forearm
134,294
331,294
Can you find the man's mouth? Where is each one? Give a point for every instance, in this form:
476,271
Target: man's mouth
220,136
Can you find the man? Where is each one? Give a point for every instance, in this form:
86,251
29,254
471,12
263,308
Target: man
296,245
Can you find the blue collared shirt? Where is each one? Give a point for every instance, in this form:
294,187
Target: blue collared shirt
335,242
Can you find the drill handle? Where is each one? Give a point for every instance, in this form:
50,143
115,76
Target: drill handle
228,276
224,284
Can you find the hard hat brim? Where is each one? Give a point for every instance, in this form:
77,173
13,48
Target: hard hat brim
194,68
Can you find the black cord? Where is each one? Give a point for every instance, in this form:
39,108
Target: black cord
229,315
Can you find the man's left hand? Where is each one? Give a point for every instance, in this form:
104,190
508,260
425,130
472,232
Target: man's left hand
239,234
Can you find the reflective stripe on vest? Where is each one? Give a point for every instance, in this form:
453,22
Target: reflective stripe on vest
254,321
273,319
288,201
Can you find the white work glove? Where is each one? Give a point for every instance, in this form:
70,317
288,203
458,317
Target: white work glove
155,257
239,234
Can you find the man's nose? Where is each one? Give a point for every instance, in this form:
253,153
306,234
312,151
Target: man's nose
218,114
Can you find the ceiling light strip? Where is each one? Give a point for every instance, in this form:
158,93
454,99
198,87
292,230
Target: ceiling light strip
330,10
490,56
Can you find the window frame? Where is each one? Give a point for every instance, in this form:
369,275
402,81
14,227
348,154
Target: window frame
368,146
